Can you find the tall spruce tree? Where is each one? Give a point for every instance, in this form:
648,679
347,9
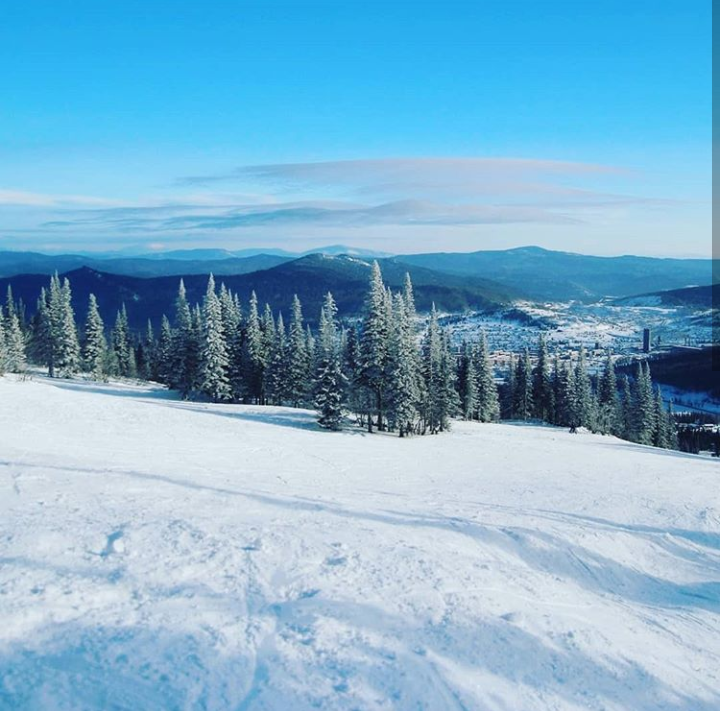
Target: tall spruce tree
298,360
523,394
95,345
644,408
609,415
122,345
374,343
542,385
584,394
164,355
487,392
15,357
252,354
329,381
184,346
214,380
63,346
277,365
403,373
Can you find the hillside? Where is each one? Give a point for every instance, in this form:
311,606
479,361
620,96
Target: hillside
160,554
557,276
694,297
309,277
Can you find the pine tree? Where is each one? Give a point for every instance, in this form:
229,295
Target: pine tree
298,360
440,401
609,415
214,380
184,346
122,345
542,386
627,409
523,394
63,346
568,412
95,346
403,372
661,435
508,390
374,347
150,346
252,354
164,356
584,394
329,380
3,351
467,382
269,336
488,409
643,414
277,365
15,358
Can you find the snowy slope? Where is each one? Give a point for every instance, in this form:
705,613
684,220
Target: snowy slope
156,554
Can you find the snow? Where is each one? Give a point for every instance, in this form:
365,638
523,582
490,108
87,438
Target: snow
158,554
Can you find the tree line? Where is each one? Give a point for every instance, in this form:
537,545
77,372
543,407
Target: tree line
378,368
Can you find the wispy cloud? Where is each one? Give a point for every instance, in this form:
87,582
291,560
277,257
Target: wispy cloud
348,199
407,174
20,198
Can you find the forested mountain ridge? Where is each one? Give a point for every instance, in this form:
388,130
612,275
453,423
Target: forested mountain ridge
309,277
558,276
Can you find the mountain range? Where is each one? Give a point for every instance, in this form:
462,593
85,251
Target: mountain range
309,277
453,281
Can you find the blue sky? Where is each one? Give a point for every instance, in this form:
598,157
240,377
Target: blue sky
402,126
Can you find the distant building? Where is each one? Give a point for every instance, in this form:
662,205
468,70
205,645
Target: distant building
646,340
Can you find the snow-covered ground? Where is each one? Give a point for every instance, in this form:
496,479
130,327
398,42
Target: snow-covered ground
156,554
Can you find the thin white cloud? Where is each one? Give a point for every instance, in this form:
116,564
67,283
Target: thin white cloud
27,199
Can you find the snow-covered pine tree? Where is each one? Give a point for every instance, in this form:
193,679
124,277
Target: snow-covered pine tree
403,373
584,396
164,354
150,345
214,363
507,399
184,356
3,351
440,401
644,415
269,336
62,331
298,360
523,394
663,434
448,369
232,328
253,356
10,307
359,398
542,385
488,409
467,383
627,409
95,345
609,415
567,406
15,358
374,347
329,381
122,345
277,364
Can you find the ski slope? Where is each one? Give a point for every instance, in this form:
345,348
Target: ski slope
158,554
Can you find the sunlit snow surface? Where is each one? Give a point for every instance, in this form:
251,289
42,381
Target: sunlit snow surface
156,554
